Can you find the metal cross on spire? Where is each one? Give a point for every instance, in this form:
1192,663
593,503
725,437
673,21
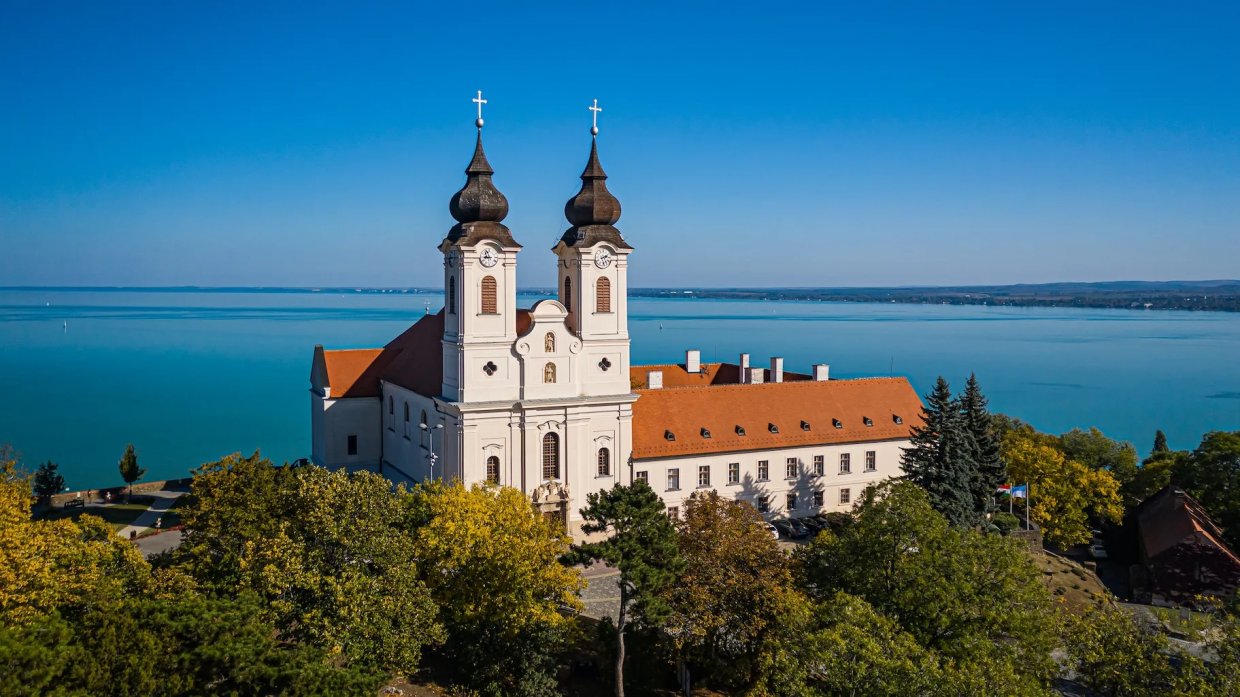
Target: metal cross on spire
596,109
479,101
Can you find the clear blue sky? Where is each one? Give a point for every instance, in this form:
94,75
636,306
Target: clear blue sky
873,143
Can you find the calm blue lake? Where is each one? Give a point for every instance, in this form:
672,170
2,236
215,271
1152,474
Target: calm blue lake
191,376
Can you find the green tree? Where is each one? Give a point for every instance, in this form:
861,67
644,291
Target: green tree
1154,474
937,458
330,554
968,596
492,565
987,468
186,645
1160,443
735,597
130,471
1113,655
1211,473
48,481
1094,450
642,546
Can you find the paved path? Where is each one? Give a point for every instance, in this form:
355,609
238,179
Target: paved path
156,544
601,596
146,520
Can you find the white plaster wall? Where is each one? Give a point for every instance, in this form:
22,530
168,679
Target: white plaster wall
332,420
887,454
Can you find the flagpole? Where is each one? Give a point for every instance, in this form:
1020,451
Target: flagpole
1027,492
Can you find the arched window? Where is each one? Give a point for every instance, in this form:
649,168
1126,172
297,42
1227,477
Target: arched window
551,456
423,421
549,342
602,295
452,295
406,419
568,294
424,434
391,405
604,462
391,420
489,304
549,374
493,469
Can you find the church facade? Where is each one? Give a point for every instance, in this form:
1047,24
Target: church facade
545,399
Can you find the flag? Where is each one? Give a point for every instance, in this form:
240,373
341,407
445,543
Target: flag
1004,489
1020,492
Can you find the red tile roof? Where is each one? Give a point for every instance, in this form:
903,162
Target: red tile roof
1171,517
685,411
413,360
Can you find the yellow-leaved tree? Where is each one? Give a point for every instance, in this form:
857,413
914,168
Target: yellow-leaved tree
493,566
1064,494
58,565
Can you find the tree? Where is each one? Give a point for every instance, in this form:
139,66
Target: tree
1211,473
185,645
735,595
1113,655
983,444
130,471
937,458
48,481
1154,474
330,554
492,565
968,596
642,546
1064,495
1160,443
1094,450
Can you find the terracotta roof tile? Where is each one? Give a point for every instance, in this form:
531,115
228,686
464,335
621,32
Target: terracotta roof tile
413,360
1172,516
685,411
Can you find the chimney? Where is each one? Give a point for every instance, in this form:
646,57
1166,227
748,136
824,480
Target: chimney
777,369
693,361
822,372
654,380
744,367
755,376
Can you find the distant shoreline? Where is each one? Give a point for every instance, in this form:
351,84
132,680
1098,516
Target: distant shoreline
1211,296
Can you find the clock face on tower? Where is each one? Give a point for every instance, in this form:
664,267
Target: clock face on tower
488,257
602,259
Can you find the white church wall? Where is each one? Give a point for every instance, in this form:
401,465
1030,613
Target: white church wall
334,421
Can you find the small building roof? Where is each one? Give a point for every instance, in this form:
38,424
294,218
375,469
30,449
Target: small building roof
1171,517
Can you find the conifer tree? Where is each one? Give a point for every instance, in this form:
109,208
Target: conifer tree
48,481
130,471
938,457
642,546
1160,443
988,470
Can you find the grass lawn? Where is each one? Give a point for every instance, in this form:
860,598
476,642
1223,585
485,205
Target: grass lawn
117,515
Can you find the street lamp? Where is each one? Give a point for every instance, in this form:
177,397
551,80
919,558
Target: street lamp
432,456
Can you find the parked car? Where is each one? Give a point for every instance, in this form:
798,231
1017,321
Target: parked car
783,527
1098,551
799,531
74,503
813,523
771,529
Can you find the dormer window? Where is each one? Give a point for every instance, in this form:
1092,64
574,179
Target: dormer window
804,425
705,432
837,423
772,428
669,435
867,421
740,430
896,418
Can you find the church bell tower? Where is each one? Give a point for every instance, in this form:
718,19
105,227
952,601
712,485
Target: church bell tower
480,289
592,274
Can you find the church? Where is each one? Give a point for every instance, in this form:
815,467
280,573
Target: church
545,399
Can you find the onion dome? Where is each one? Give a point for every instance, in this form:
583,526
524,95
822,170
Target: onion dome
479,207
594,211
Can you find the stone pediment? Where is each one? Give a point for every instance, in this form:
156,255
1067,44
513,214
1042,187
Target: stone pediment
552,491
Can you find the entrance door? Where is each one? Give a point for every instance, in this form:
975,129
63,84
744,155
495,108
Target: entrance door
555,518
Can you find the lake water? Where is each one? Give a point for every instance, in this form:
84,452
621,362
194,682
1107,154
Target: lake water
191,376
